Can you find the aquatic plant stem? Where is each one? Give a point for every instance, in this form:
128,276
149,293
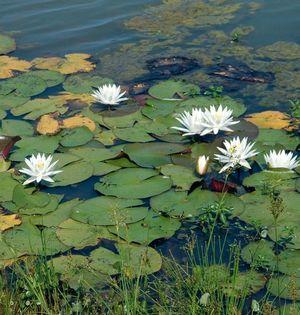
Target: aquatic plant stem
217,214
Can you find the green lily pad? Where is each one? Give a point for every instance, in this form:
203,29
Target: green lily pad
73,173
33,145
52,78
289,262
91,154
76,137
54,218
10,101
203,102
133,134
6,252
133,183
151,228
7,44
157,108
138,260
84,83
153,154
75,270
173,89
38,107
14,128
26,84
182,177
109,211
284,180
123,119
106,137
7,187
79,235
285,287
272,137
259,254
28,239
105,261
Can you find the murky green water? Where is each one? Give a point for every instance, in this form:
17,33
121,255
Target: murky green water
125,167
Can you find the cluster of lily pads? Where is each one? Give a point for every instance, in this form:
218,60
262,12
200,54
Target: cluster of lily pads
124,175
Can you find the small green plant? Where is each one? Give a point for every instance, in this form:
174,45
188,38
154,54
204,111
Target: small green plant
214,91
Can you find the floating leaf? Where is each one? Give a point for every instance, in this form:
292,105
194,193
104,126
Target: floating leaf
91,154
270,119
173,90
10,64
8,221
84,83
133,183
152,227
273,136
7,186
33,145
72,63
76,137
39,107
79,121
48,125
10,101
109,211
72,174
281,286
153,154
7,44
182,177
79,235
14,128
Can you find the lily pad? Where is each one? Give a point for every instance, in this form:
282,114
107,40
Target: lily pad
73,173
76,137
203,102
10,101
286,287
93,154
7,44
151,228
32,145
182,177
284,180
133,183
7,186
84,83
52,78
109,211
173,90
274,136
157,108
28,239
14,128
10,65
153,154
79,235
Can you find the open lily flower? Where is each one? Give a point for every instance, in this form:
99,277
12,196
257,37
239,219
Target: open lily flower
109,95
191,122
236,153
281,159
215,120
39,168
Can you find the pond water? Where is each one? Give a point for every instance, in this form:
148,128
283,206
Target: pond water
128,177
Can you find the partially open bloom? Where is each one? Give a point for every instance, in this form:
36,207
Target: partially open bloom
204,299
202,164
109,95
192,122
281,159
39,168
215,120
255,306
236,153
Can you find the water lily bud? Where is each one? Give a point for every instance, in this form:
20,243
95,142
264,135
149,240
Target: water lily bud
264,233
255,306
204,299
202,164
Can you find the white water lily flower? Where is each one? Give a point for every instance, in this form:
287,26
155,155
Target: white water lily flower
255,306
39,168
202,164
204,299
109,94
192,122
215,120
236,153
281,159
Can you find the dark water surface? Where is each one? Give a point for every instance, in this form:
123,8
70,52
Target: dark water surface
56,27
